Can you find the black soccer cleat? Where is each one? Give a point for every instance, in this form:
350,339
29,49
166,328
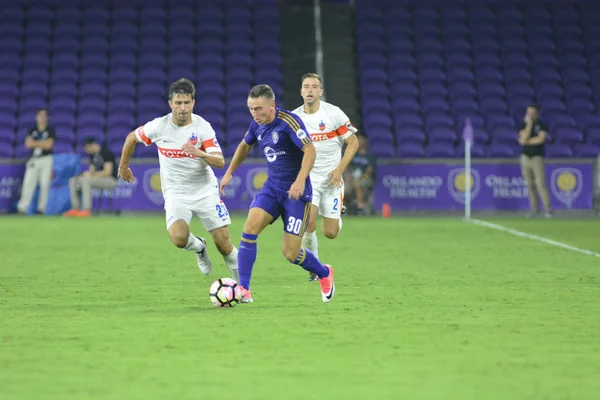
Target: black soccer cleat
343,209
312,277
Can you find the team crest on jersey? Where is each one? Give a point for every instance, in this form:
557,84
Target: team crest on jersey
322,125
275,136
193,139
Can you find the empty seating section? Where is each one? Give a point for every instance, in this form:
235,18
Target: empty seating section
103,68
426,66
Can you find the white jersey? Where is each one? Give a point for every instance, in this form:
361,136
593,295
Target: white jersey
328,128
182,176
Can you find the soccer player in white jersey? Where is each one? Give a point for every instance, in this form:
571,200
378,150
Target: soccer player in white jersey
187,149
329,129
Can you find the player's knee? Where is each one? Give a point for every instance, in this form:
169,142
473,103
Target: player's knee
330,233
251,228
178,239
290,254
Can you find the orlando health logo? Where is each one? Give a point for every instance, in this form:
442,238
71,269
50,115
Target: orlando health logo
152,186
459,182
566,185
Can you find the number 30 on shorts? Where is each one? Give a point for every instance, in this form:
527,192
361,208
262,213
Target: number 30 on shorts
294,225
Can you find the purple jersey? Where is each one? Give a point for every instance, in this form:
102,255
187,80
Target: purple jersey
281,142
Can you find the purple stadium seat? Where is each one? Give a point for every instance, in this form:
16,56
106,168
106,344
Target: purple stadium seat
410,134
410,150
587,150
567,135
383,150
144,152
6,151
401,105
461,73
559,151
404,89
21,151
556,121
502,150
440,150
438,119
406,120
379,118
374,105
477,151
442,134
589,121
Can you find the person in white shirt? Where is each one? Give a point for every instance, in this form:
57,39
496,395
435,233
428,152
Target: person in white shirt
187,149
329,129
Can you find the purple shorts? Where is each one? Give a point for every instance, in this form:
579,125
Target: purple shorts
294,213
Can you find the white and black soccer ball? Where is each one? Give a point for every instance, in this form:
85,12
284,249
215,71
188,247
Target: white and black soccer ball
225,292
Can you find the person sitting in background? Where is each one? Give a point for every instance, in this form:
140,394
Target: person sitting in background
361,177
102,174
40,140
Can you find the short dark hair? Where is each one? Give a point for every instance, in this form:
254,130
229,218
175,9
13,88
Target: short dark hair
312,75
262,91
182,86
43,109
89,140
535,106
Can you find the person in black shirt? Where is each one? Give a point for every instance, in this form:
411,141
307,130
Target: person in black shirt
532,135
361,176
101,175
40,140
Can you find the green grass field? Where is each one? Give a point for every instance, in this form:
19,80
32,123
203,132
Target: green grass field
426,308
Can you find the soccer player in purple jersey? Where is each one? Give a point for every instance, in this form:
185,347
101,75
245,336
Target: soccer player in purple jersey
287,193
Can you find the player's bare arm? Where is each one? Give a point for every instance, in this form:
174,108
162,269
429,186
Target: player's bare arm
310,155
215,160
238,158
124,171
351,149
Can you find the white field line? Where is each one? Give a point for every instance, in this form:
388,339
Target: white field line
533,237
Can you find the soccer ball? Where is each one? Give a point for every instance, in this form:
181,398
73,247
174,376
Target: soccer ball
225,292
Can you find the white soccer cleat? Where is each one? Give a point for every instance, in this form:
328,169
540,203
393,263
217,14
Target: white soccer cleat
203,261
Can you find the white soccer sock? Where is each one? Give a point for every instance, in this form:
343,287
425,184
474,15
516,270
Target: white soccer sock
231,261
340,224
310,241
194,244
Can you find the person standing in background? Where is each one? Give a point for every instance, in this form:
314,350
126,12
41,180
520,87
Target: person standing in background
40,140
532,136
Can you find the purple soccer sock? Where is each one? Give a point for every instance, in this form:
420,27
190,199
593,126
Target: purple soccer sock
246,258
307,260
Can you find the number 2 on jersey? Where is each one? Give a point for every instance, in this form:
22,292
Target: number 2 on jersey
336,202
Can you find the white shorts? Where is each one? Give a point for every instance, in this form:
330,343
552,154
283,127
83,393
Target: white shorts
211,210
327,198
